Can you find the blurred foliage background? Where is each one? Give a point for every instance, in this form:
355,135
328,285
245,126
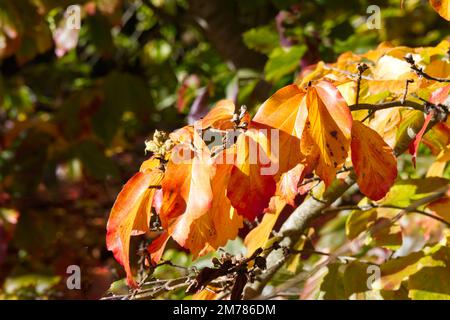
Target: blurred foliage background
77,105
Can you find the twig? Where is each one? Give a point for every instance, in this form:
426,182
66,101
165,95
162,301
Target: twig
405,210
386,105
349,74
405,93
361,68
419,70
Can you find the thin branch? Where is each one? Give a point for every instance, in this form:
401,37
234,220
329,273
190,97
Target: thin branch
349,74
405,209
419,70
361,68
405,93
413,207
387,105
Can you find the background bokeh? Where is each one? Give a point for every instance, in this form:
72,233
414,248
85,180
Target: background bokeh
77,105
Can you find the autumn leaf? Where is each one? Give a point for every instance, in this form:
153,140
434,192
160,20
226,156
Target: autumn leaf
187,194
373,161
441,207
288,186
157,246
285,110
259,235
251,183
414,145
194,206
220,117
438,96
329,125
442,7
130,215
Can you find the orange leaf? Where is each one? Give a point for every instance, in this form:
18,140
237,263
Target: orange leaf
373,160
258,236
288,187
252,183
157,246
441,207
187,195
195,208
442,7
220,117
329,125
285,110
130,215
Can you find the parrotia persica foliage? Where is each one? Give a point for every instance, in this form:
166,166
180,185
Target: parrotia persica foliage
336,120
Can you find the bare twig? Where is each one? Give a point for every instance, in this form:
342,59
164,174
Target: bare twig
405,93
404,209
419,70
386,105
353,76
361,68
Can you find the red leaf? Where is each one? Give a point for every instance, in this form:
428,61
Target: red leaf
373,160
194,207
130,215
414,144
157,246
250,186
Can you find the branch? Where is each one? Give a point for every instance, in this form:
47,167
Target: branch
406,210
419,70
158,287
386,105
361,68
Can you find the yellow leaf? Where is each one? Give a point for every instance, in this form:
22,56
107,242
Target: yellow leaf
258,237
442,7
330,125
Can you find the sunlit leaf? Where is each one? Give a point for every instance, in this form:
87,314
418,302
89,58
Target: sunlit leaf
442,7
130,215
330,124
373,160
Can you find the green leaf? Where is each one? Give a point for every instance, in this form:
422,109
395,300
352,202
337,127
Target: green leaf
123,92
430,284
403,192
333,283
262,39
355,278
388,236
283,62
395,271
95,161
409,127
359,221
